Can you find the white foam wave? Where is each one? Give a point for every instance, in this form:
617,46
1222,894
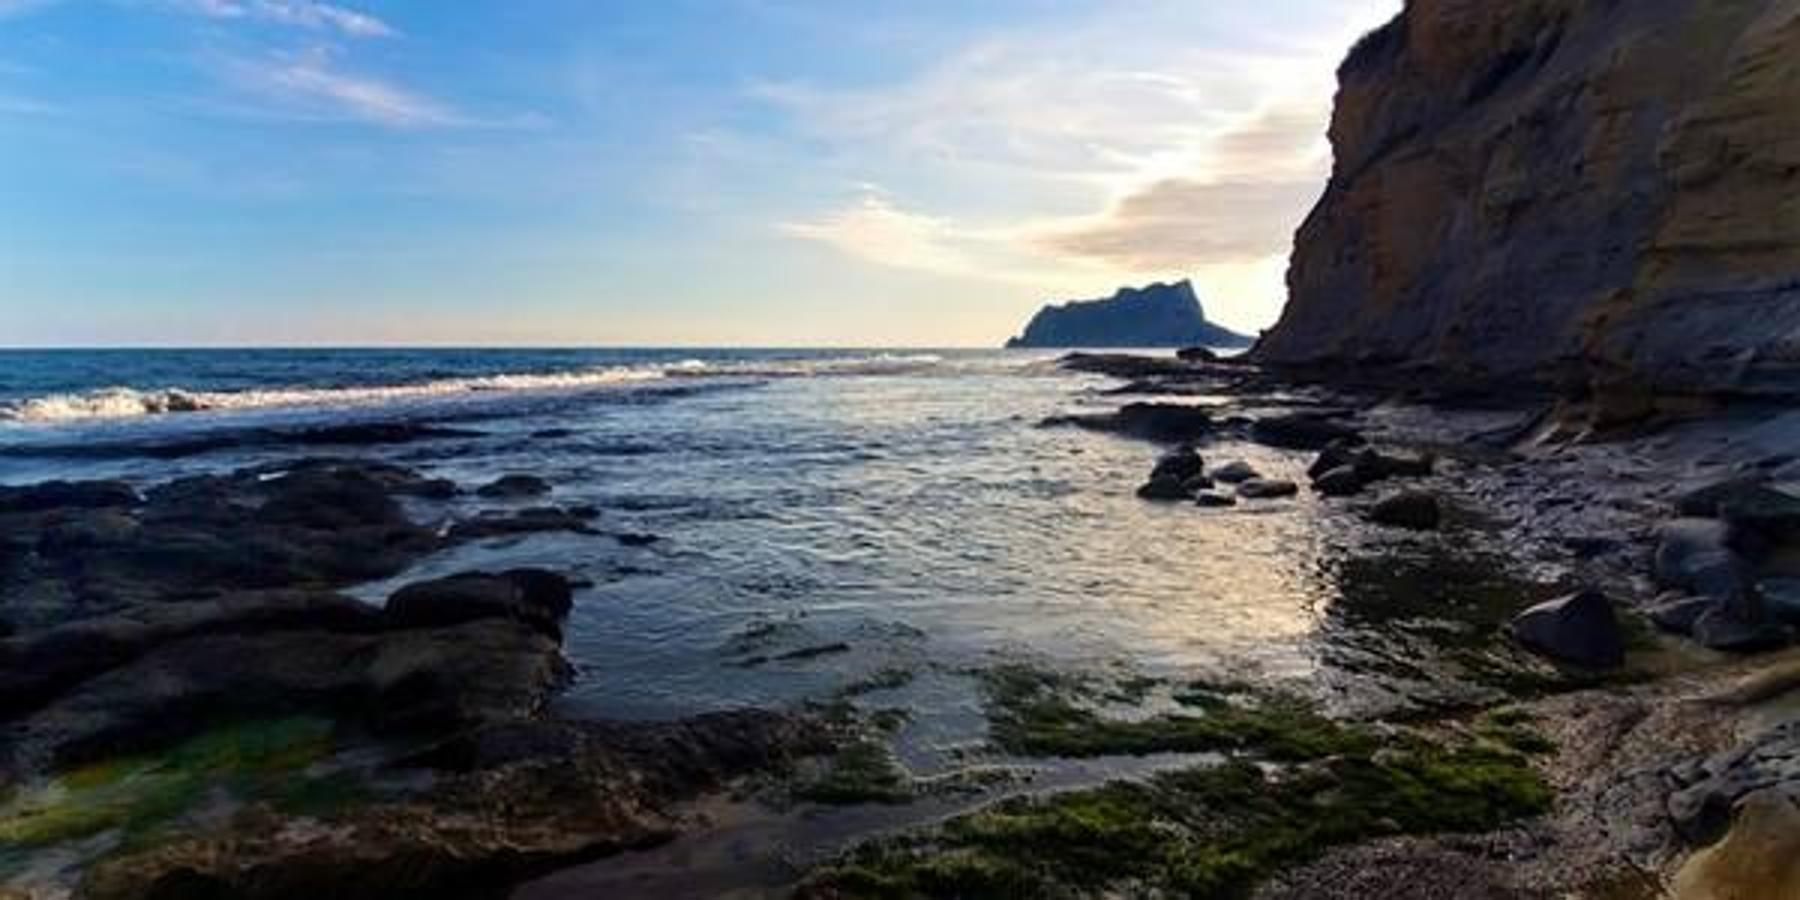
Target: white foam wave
126,402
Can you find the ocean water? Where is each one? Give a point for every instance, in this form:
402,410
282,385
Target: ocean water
819,516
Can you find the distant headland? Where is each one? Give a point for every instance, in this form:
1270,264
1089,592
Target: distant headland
1161,315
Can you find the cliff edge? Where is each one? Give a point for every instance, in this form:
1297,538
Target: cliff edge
1161,315
1562,192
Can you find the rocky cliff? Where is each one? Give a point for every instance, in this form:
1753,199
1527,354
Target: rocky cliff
1161,315
1569,192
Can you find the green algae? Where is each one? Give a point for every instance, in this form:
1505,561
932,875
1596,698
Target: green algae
136,794
1294,784
1515,729
1038,713
1202,832
864,771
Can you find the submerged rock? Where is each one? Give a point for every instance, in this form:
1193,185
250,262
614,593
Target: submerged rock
534,520
1169,422
515,486
1580,629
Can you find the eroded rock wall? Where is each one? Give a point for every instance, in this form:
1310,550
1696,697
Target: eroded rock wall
1562,192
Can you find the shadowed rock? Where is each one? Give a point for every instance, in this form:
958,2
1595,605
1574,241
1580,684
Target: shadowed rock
1580,629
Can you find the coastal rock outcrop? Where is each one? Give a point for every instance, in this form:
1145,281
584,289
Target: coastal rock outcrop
1562,192
1161,315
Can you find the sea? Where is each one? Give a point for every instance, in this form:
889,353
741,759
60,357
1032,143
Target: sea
801,521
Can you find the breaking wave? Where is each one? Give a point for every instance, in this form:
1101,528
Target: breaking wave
128,402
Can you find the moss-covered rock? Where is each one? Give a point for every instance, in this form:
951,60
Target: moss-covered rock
1204,832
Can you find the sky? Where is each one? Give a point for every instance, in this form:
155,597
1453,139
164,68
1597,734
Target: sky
679,172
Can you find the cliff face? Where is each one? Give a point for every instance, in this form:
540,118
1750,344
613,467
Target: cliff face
1161,315
1559,191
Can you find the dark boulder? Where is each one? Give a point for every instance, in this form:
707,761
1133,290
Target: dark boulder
1267,489
1580,629
1165,490
1215,499
1342,481
1180,465
1197,355
1236,472
1301,431
536,598
1416,510
1336,455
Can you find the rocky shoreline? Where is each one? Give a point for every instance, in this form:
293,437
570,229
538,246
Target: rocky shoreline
194,708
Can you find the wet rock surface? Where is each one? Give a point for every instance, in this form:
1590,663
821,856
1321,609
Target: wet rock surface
191,640
1580,629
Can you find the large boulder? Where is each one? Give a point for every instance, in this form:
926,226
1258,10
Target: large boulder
1580,629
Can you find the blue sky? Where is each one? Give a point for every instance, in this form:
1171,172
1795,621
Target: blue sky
770,172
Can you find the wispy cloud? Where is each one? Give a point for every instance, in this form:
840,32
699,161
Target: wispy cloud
1127,148
298,13
1250,189
312,85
